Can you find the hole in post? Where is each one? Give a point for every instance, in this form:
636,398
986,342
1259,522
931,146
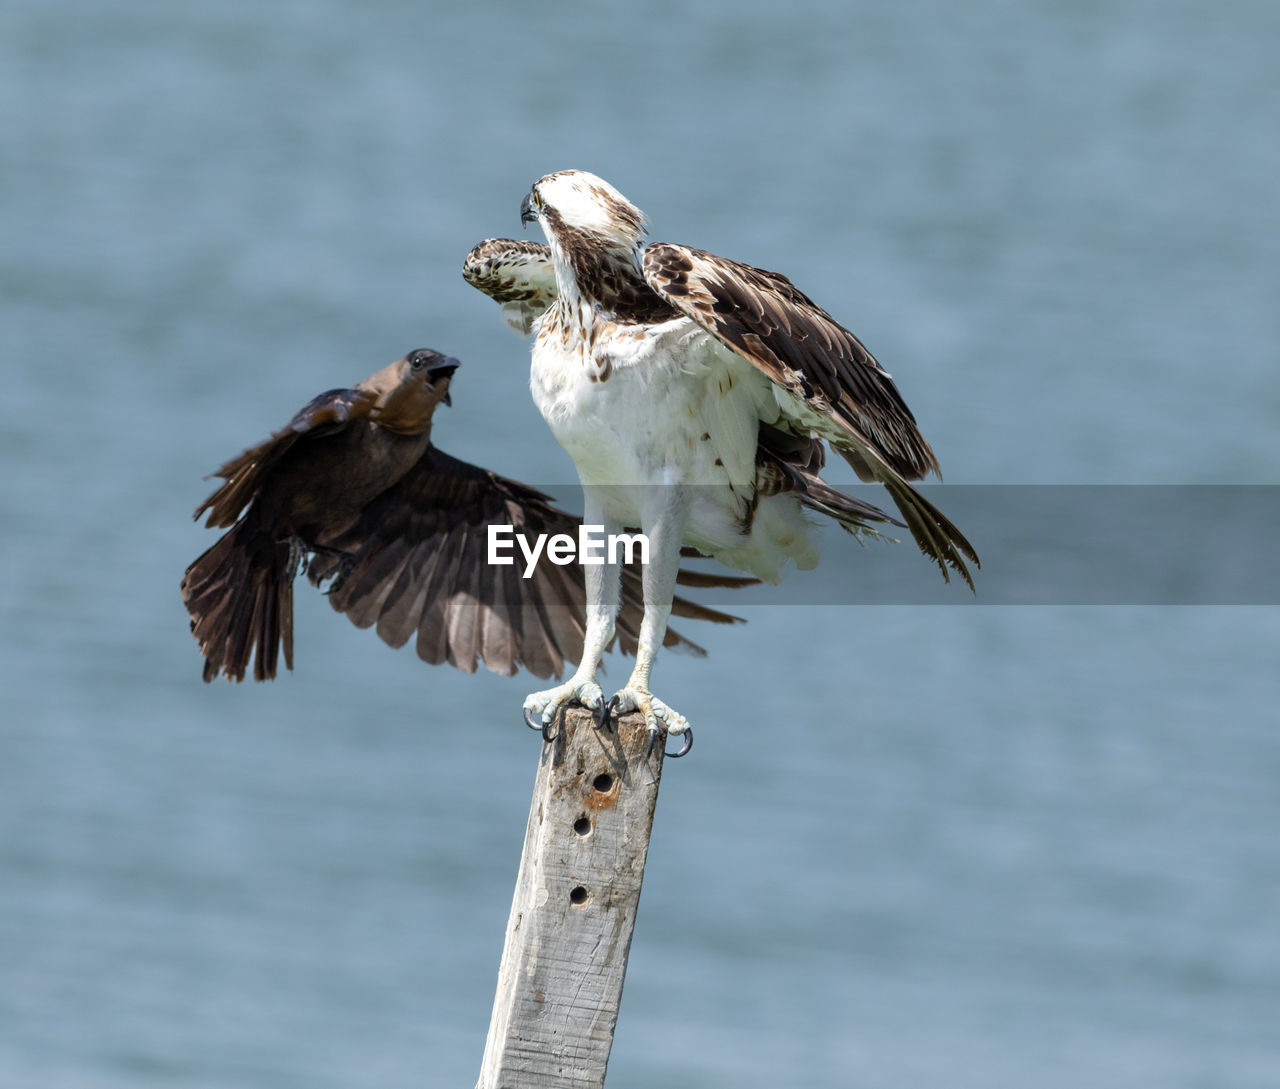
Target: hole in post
582,825
577,896
603,782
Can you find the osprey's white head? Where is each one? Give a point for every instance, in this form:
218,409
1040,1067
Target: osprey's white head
582,202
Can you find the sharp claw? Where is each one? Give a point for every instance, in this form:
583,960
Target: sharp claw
544,728
684,749
345,566
604,718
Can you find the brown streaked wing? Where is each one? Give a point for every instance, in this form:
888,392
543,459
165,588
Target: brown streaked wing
850,400
519,276
765,318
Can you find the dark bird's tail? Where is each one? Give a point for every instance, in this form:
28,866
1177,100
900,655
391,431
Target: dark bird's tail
240,597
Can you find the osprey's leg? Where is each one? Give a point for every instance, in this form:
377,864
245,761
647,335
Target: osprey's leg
604,593
667,516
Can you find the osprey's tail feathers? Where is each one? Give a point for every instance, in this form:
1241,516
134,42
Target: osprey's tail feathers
240,597
851,513
934,533
784,471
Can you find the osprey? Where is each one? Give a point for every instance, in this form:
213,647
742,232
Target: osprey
694,394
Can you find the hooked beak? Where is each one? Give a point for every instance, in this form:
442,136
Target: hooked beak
527,214
444,369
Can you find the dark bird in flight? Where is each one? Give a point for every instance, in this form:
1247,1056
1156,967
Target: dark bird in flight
353,492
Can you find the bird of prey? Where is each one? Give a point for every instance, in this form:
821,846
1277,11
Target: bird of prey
353,491
694,395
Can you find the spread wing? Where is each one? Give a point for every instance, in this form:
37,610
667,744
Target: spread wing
837,387
419,568
517,275
322,415
765,318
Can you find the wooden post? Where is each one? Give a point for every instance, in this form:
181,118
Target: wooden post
574,910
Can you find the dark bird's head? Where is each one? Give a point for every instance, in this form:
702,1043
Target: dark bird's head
409,390
436,370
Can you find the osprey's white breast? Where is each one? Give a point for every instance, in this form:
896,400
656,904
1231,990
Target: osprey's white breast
665,405
634,404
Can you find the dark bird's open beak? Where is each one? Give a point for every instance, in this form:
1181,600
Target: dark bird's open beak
444,369
527,214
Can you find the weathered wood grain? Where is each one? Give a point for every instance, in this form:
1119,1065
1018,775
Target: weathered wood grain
574,910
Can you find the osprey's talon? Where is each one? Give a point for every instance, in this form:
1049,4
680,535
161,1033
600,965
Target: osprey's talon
543,709
684,749
653,740
544,728
658,717
604,720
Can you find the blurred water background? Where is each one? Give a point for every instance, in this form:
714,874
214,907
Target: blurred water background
990,846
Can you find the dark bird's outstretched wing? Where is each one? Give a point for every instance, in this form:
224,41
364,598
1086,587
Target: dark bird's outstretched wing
244,475
420,570
837,387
